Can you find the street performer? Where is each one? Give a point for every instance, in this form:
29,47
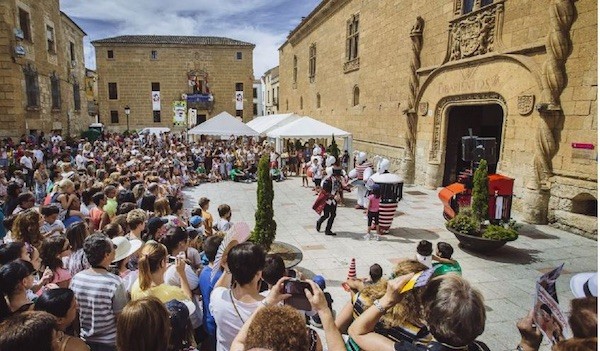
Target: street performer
327,201
359,175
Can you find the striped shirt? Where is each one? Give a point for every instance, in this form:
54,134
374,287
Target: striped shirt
100,296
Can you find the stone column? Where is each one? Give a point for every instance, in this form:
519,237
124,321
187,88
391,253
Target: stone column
407,168
554,79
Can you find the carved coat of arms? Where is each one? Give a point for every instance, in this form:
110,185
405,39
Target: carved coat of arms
525,104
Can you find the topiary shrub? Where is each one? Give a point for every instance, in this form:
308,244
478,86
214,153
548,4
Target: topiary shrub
498,232
464,224
265,227
480,194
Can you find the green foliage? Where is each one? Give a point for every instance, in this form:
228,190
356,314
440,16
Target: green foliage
333,149
480,195
498,232
265,228
464,224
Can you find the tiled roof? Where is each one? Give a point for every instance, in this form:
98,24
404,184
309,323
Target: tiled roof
171,39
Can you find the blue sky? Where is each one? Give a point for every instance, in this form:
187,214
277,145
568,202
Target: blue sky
265,23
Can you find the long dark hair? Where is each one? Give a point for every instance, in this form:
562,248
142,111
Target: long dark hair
11,275
55,301
52,247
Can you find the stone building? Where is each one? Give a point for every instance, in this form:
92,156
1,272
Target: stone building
91,94
258,107
172,81
271,82
42,75
410,78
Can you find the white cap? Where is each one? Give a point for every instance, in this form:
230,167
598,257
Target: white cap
125,247
585,284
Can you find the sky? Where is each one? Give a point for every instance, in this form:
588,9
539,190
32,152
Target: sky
265,23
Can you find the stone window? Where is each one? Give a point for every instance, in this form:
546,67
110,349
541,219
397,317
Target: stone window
55,91
355,96
312,62
114,116
239,86
239,113
32,87
156,116
238,55
110,54
352,38
255,109
301,103
268,97
287,105
50,39
113,93
462,7
72,51
295,73
318,100
154,55
25,24
155,86
254,93
76,97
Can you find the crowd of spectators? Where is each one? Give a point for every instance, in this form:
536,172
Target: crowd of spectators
98,253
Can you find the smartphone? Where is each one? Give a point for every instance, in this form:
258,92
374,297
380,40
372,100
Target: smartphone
172,259
298,300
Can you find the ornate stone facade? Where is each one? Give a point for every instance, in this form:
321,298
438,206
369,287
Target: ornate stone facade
543,77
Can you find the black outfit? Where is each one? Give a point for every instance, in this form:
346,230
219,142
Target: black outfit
330,185
436,346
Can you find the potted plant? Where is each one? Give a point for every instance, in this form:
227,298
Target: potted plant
472,227
265,228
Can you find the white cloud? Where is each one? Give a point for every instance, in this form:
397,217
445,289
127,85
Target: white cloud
255,21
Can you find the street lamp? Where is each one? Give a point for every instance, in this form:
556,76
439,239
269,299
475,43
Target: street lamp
127,113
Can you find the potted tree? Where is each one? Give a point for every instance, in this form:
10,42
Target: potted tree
265,227
472,227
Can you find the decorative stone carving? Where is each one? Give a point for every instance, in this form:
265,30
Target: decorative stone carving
476,33
554,80
525,104
352,65
423,108
416,37
434,152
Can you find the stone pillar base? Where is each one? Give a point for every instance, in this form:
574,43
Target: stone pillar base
432,176
407,170
535,206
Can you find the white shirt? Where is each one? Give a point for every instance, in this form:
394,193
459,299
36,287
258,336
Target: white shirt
28,163
227,319
80,161
39,155
223,225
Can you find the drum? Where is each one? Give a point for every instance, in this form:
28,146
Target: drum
386,215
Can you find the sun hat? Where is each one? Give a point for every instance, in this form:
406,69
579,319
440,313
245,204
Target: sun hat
125,247
320,281
585,284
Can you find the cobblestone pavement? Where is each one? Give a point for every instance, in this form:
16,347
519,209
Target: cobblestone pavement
506,277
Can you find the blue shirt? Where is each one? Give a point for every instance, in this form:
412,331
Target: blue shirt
206,287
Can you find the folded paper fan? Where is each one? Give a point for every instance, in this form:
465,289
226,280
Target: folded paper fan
237,234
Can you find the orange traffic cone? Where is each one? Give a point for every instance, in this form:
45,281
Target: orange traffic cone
352,269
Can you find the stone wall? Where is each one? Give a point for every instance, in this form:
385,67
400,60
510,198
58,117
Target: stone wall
15,117
133,70
507,63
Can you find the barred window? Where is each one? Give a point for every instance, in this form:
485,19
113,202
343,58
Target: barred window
312,62
113,93
25,24
55,90
352,38
114,116
50,39
156,116
32,88
76,97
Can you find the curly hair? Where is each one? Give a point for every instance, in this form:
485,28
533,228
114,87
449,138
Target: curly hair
52,247
409,308
278,328
26,228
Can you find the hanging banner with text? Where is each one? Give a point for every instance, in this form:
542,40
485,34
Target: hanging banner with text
156,101
239,100
179,113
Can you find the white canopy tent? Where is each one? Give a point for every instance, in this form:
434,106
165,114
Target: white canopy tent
223,124
306,128
265,124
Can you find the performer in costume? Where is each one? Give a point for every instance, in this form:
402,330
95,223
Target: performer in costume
390,186
326,202
359,176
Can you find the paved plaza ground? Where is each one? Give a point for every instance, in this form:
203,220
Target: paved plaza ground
506,277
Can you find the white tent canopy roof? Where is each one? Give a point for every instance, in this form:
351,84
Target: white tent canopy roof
307,127
265,124
223,124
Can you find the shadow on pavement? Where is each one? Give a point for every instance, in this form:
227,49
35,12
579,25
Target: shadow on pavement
391,237
417,234
507,254
531,232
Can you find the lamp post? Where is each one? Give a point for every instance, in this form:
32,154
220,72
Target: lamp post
127,113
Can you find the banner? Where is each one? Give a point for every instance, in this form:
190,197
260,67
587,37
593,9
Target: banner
239,100
156,101
179,112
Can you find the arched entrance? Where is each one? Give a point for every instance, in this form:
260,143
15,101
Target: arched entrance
485,120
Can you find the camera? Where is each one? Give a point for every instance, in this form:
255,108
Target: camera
296,288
